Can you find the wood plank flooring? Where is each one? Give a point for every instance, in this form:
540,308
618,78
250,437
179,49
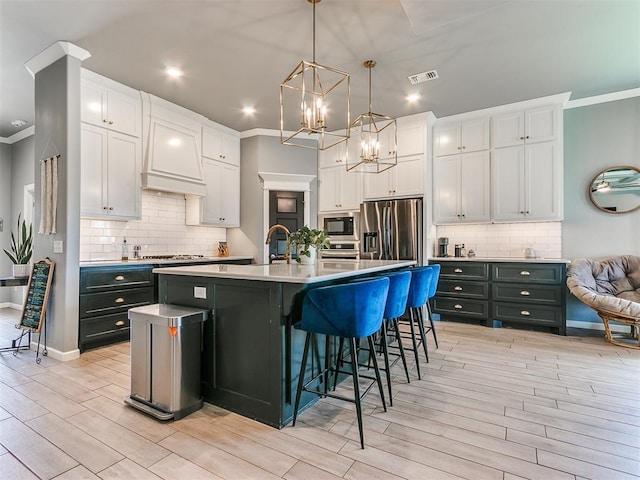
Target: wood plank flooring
495,404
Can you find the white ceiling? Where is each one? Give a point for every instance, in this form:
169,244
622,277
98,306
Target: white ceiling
236,52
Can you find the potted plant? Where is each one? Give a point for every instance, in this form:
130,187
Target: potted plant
21,249
307,242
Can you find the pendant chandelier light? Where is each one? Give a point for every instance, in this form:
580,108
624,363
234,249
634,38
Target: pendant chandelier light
602,186
314,103
367,131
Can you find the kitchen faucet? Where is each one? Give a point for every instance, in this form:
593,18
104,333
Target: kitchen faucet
286,231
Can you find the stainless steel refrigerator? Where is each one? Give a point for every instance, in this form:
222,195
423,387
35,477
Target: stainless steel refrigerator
391,230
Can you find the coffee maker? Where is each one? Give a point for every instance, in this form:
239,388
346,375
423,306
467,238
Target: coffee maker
443,245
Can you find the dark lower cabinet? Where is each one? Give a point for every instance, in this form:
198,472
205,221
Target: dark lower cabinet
106,295
512,293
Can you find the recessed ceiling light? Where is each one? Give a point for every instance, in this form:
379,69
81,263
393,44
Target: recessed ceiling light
414,97
173,72
18,123
249,110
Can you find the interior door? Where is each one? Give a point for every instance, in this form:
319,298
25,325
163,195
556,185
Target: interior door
285,208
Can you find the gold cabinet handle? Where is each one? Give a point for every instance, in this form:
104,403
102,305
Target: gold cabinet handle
119,278
457,288
525,273
119,323
119,300
525,313
457,270
524,293
457,306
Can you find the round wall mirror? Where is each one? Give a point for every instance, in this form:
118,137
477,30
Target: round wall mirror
616,189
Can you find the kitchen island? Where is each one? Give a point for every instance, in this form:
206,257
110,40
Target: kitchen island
251,352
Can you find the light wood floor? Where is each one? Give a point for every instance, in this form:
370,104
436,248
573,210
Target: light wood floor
493,404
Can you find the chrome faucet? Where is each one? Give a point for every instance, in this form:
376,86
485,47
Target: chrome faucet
286,231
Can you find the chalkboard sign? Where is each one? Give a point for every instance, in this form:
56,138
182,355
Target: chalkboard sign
35,304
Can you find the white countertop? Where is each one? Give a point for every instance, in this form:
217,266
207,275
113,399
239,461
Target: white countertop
156,261
499,259
322,270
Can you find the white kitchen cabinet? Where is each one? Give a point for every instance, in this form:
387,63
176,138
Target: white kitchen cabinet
403,180
115,109
526,183
524,127
461,188
411,137
452,138
334,156
338,189
218,144
110,174
221,205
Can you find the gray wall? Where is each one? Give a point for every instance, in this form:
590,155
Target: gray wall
5,215
57,123
263,153
597,137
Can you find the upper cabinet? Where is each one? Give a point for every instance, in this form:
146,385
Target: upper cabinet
462,191
406,179
105,103
530,126
110,149
338,189
519,174
221,205
451,138
218,144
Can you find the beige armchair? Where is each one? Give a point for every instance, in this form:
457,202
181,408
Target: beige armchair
611,286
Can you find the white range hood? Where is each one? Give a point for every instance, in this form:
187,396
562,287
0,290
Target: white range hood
172,138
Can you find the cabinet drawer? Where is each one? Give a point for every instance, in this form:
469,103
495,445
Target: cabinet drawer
98,279
457,288
94,304
527,272
528,314
106,328
527,293
461,307
464,270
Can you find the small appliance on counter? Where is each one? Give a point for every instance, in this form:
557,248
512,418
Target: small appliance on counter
443,247
460,251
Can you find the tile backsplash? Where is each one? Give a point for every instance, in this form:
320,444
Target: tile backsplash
161,231
505,240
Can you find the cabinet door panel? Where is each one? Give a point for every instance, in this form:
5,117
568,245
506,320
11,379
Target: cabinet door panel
475,135
507,184
230,196
475,185
93,154
544,177
93,98
211,208
411,140
350,189
541,125
327,189
123,113
446,139
507,130
123,179
409,177
378,185
446,185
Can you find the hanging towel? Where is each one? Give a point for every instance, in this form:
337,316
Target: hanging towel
48,194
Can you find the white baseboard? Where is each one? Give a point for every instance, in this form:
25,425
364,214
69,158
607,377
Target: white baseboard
14,306
614,327
54,353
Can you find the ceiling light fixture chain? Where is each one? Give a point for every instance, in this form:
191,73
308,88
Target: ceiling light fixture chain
308,96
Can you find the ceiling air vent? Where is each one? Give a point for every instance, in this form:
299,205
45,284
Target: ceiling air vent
423,77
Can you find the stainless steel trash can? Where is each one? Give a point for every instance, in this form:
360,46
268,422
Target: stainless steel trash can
166,345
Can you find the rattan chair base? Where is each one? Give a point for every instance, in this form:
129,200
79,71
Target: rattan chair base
633,322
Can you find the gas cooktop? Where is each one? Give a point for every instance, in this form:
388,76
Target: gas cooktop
172,257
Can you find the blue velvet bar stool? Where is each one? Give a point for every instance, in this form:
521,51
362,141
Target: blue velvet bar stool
349,311
433,286
395,307
421,279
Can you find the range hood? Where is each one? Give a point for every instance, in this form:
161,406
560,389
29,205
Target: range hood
171,141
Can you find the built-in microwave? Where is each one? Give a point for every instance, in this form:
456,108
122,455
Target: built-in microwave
344,227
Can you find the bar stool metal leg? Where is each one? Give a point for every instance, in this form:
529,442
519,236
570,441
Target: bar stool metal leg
414,341
303,368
